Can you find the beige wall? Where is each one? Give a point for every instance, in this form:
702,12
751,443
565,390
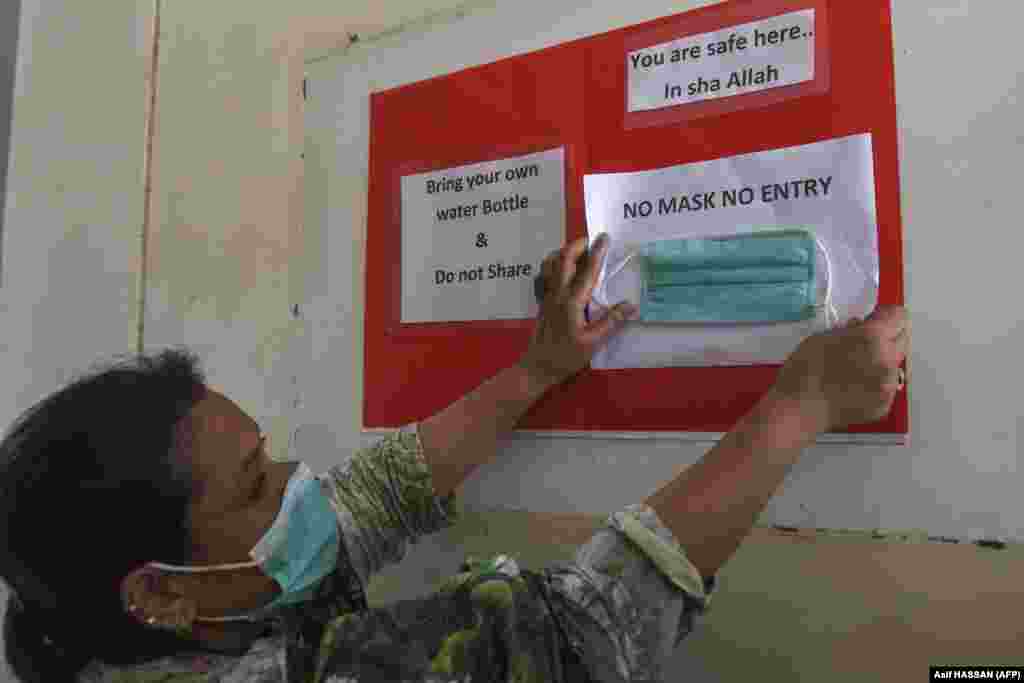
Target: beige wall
224,265
227,202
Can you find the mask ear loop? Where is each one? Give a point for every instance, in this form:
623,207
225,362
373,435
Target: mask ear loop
831,315
184,569
608,277
300,473
201,570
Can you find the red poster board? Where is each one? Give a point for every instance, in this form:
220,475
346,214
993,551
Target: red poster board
573,95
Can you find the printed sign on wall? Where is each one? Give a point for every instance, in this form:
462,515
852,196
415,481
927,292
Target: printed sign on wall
473,237
737,60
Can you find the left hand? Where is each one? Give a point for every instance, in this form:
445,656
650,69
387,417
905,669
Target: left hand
851,374
563,342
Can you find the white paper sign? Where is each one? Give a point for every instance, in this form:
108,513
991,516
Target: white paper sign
769,53
827,187
473,237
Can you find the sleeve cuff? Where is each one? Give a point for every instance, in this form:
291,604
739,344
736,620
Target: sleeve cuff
641,525
446,505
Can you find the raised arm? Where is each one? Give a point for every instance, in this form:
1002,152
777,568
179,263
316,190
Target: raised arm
464,435
846,376
402,487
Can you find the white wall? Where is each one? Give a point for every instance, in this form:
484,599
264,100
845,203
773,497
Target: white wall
959,142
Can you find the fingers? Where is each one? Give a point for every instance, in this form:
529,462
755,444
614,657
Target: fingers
904,340
561,267
901,342
889,330
886,407
891,382
547,272
570,255
587,279
550,264
613,320
890,321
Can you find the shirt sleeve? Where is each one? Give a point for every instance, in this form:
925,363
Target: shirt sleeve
384,498
641,525
641,594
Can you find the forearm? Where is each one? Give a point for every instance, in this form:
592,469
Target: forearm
712,505
466,433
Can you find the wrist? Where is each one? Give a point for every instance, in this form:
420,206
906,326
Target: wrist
805,416
537,380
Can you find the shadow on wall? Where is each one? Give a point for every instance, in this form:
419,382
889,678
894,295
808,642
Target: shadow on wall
10,10
6,676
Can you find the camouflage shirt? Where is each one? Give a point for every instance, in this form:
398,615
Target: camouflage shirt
615,614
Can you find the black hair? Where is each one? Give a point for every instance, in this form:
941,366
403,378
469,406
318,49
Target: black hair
94,483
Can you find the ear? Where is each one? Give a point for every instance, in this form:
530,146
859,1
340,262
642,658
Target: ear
149,594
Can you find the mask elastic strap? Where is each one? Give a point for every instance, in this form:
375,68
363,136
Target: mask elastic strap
829,308
609,276
301,473
217,620
201,570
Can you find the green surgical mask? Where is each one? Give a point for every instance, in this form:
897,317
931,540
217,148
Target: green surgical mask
753,278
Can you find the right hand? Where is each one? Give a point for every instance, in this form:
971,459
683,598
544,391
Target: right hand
849,375
563,341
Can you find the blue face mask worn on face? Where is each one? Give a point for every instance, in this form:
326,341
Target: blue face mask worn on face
298,550
754,278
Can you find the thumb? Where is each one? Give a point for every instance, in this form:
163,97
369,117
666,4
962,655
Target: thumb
890,320
885,312
852,322
613,320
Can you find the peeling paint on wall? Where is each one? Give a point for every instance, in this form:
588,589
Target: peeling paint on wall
422,23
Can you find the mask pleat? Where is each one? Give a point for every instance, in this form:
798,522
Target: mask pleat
762,277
